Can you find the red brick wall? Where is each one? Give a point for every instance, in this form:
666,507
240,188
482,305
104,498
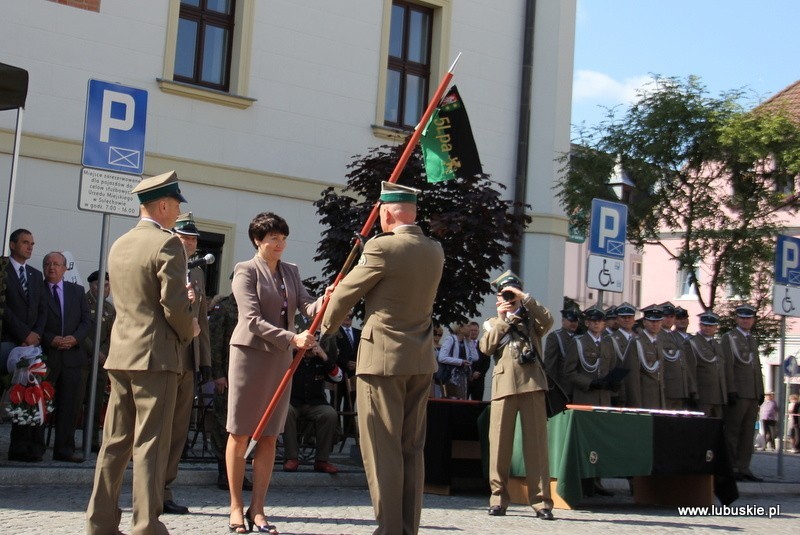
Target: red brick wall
89,5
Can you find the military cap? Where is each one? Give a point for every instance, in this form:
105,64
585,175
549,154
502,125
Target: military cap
668,309
745,311
653,313
156,187
626,309
681,313
570,314
391,192
507,279
708,318
594,313
611,312
185,225
95,275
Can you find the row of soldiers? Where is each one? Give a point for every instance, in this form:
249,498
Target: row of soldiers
659,365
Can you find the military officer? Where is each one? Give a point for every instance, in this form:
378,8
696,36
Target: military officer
645,385
398,275
514,340
705,354
555,348
745,391
147,270
623,340
680,390
681,324
590,357
611,320
196,359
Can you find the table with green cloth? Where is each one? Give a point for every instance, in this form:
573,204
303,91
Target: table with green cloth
589,444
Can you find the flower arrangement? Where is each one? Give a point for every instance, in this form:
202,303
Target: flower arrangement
30,398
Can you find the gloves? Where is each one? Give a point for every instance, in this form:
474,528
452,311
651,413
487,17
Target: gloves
205,374
596,384
692,402
733,397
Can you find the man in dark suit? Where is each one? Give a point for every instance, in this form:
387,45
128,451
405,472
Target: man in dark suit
347,339
147,269
68,322
398,275
23,325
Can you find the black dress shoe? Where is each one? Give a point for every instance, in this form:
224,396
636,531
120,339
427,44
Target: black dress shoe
68,458
751,477
544,514
172,508
497,510
600,490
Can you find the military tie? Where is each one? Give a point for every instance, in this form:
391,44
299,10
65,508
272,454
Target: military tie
23,280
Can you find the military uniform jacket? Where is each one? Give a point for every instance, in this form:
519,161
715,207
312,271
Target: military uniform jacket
587,361
222,320
198,353
741,354
555,352
147,270
645,387
679,378
623,349
398,275
107,322
505,345
710,369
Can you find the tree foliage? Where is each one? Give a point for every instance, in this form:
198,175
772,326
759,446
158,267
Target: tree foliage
475,226
706,173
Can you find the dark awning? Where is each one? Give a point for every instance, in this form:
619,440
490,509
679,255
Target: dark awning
13,87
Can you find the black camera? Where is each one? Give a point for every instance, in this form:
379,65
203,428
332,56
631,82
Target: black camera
508,295
528,356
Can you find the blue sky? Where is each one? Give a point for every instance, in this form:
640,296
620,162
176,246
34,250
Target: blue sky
729,44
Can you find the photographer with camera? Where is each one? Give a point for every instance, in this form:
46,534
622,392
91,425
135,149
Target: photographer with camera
519,383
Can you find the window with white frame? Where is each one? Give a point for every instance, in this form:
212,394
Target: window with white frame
686,288
636,282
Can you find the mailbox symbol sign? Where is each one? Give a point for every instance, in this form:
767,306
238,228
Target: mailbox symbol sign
609,229
113,137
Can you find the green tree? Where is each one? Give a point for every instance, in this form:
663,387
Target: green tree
475,226
706,174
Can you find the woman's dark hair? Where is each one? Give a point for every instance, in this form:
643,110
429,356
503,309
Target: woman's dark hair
266,223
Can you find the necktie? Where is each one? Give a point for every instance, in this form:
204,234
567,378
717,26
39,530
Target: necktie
58,304
23,280
349,332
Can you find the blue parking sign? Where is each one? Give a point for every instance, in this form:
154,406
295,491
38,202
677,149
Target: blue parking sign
787,261
113,135
608,229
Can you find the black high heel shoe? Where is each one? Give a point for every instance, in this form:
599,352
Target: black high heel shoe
264,528
237,528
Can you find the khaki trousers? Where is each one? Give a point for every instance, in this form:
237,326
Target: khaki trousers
184,400
139,424
502,423
740,429
392,415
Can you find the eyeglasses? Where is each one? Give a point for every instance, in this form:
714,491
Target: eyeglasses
51,264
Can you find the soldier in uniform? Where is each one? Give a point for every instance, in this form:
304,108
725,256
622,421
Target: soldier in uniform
623,340
680,391
514,340
398,275
106,322
611,320
645,385
590,357
555,348
681,324
745,391
147,270
196,358
711,373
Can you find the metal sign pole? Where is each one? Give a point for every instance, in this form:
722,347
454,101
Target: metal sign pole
781,389
88,425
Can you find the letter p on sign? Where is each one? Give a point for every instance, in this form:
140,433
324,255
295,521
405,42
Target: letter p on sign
609,225
108,122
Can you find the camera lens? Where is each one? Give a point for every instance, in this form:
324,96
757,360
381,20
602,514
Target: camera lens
508,295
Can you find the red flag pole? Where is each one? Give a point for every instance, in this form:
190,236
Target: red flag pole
365,230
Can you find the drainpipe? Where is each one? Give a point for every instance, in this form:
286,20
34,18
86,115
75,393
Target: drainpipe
524,129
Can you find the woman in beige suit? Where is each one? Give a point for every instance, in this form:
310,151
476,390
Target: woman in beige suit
267,292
